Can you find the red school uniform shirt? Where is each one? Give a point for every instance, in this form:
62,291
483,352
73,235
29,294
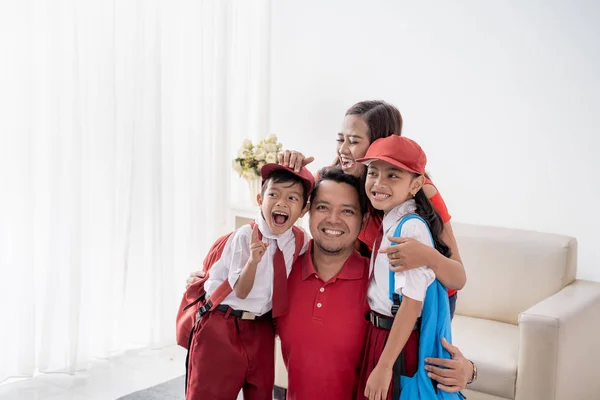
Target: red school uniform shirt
373,225
323,333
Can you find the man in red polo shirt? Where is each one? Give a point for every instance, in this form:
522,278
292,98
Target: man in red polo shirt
323,333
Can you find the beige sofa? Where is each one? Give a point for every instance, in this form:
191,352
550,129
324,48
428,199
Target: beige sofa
523,318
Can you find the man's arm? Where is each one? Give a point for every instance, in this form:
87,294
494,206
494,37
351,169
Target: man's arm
452,375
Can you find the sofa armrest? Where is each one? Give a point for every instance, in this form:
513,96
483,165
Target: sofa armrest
559,348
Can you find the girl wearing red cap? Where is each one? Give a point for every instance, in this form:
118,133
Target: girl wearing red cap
394,186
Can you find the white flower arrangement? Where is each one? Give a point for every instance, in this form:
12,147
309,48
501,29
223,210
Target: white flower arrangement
250,159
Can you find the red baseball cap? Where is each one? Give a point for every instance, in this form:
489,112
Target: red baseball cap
307,177
399,151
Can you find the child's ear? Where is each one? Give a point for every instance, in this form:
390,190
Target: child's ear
417,184
259,199
305,209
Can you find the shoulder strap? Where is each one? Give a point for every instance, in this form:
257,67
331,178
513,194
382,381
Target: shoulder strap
224,289
395,297
299,238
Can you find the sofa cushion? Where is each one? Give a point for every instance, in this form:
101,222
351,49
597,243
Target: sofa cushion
472,395
510,270
494,347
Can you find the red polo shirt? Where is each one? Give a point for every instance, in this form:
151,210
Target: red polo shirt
323,333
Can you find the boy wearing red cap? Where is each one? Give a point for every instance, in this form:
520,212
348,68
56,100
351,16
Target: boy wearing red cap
395,337
232,348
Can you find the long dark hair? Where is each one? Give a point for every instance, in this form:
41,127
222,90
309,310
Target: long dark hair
383,119
426,211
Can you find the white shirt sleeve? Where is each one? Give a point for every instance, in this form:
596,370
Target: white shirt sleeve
414,283
240,253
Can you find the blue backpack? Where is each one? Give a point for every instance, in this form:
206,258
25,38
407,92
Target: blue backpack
434,325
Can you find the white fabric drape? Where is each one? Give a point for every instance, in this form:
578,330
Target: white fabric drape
118,122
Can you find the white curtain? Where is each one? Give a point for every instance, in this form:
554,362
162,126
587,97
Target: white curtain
118,122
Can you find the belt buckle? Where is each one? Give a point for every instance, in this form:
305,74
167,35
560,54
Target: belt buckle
248,316
373,319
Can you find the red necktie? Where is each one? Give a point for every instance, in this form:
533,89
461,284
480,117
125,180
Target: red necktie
376,248
280,294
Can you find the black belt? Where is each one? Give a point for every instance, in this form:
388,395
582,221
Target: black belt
379,321
242,314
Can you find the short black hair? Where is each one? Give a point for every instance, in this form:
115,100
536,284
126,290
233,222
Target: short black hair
336,174
283,176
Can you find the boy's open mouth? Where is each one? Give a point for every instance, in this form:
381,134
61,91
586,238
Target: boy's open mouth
280,217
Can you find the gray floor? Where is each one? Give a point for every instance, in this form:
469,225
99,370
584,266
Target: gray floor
120,376
170,390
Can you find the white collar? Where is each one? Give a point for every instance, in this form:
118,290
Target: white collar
266,231
397,213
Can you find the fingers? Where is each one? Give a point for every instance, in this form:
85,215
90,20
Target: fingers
442,362
286,158
258,249
191,280
375,394
453,350
259,246
446,381
397,267
449,389
292,162
254,236
442,373
399,240
294,159
385,250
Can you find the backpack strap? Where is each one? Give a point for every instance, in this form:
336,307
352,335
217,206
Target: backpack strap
225,289
395,297
221,292
299,238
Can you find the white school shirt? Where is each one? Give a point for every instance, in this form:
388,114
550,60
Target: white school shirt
234,258
412,283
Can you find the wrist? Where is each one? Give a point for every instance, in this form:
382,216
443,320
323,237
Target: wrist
385,364
473,373
431,257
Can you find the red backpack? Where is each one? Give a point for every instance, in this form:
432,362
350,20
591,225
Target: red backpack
194,301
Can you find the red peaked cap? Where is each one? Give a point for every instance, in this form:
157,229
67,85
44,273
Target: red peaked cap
305,175
399,151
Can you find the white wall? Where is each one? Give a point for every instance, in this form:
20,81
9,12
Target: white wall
501,95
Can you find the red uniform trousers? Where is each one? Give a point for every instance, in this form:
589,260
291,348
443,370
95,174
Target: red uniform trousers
374,344
229,354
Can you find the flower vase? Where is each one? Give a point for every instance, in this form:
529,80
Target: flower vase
254,186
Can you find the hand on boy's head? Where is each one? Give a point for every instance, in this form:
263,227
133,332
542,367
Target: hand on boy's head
408,253
294,159
257,246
